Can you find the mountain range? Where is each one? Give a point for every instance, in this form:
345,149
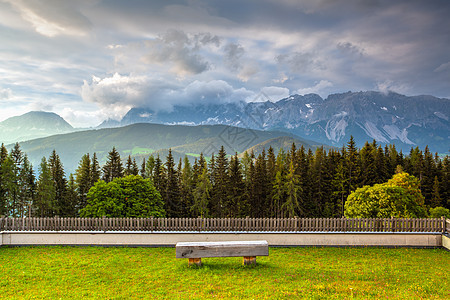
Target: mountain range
389,118
307,120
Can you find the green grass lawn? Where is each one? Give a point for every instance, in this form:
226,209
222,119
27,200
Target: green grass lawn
313,273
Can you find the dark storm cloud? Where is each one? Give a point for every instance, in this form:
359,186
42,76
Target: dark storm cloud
122,53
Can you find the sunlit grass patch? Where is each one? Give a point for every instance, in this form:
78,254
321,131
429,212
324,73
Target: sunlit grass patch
95,272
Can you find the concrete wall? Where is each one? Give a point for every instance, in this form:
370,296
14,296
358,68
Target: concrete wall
446,241
170,239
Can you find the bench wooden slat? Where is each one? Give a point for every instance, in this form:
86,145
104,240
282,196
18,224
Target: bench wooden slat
222,249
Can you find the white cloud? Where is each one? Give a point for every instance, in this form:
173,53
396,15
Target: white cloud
180,50
118,93
275,93
443,67
389,86
319,88
53,17
5,94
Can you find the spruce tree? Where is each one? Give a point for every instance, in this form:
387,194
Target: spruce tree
220,197
142,170
435,195
46,193
150,166
367,163
69,207
261,200
174,206
352,165
134,168
292,186
428,176
59,180
7,186
113,167
83,180
27,187
95,170
16,155
238,202
278,184
186,186
201,195
159,177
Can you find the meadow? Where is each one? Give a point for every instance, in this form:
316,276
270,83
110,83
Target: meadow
155,273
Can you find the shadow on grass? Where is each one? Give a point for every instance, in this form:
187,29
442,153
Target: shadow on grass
228,265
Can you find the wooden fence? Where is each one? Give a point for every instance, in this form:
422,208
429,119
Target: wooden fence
226,224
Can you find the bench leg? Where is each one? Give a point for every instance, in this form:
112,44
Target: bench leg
249,260
195,261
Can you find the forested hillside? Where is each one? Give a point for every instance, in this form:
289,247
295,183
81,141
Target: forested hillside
143,139
295,182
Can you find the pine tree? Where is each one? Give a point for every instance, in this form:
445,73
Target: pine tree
352,165
220,196
142,170
428,176
113,167
367,162
95,170
8,185
271,172
27,187
69,207
201,194
279,192
186,186
340,188
59,180
83,180
435,196
292,186
238,202
445,190
128,167
261,200
134,168
16,155
150,166
46,193
159,177
174,206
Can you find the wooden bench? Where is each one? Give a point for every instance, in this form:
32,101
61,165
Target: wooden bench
194,251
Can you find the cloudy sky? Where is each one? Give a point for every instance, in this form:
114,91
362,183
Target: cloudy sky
89,60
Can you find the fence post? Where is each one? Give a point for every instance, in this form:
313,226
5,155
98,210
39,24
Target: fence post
443,224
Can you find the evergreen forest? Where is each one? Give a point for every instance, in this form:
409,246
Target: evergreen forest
293,182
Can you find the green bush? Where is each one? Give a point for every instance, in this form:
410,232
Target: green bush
439,211
130,196
400,197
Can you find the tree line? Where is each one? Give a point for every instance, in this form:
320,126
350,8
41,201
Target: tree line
294,182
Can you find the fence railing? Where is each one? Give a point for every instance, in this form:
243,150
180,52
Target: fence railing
226,224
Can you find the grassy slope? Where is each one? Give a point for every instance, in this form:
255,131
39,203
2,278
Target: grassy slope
92,272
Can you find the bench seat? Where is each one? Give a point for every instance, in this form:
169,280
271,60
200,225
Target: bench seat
194,251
